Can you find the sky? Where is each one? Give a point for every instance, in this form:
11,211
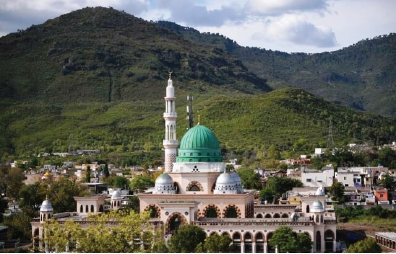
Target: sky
309,26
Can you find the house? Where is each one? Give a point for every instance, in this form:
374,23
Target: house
317,178
381,196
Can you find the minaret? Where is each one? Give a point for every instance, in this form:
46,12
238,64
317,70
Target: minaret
170,142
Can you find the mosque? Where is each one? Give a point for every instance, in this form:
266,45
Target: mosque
197,189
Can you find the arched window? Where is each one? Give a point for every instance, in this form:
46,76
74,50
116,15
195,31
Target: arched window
285,215
318,242
101,208
86,208
231,213
259,215
276,215
81,209
194,188
92,208
307,208
268,216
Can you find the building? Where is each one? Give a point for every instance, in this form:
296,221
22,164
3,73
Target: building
196,189
317,178
386,239
359,176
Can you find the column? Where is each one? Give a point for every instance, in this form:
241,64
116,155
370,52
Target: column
334,245
253,247
242,247
265,247
323,249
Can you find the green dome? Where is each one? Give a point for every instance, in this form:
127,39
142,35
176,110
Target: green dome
199,144
199,137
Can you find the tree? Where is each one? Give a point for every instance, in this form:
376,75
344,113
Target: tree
250,180
215,244
106,172
386,156
14,180
281,185
387,181
273,153
288,241
31,196
87,176
368,245
102,235
140,183
18,226
337,192
267,194
134,204
120,182
187,239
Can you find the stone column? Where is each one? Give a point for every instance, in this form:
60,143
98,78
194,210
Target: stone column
253,247
242,247
334,245
265,247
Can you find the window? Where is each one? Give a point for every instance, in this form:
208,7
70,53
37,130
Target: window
344,178
191,154
199,154
319,181
309,180
381,195
194,188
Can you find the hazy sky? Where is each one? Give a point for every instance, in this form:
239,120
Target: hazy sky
286,25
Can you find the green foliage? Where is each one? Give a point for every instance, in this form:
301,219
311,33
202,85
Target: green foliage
13,181
387,157
31,197
337,192
273,153
120,182
3,204
368,245
249,179
160,247
18,226
134,204
99,237
267,194
281,185
215,244
187,239
106,172
87,175
141,183
387,181
357,212
288,241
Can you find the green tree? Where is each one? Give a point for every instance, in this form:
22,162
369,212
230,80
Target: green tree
14,180
141,183
99,237
18,226
386,156
288,241
134,204
106,172
187,239
282,184
31,196
387,181
216,244
87,176
250,180
267,194
120,182
160,247
273,153
368,245
337,192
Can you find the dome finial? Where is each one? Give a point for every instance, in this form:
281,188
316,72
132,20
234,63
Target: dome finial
170,75
199,119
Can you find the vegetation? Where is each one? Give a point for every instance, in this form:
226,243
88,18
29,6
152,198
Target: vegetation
18,226
288,241
98,237
368,245
140,183
358,213
215,244
337,192
186,239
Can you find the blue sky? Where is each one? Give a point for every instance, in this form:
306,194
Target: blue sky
287,25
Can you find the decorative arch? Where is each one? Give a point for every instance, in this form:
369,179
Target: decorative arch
101,208
171,218
194,186
154,210
329,237
276,215
231,211
247,237
259,237
211,211
268,216
259,215
285,215
92,209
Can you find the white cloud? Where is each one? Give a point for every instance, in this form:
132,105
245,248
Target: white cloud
295,29
279,7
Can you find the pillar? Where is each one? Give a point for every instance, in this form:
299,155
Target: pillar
265,247
242,247
253,247
334,245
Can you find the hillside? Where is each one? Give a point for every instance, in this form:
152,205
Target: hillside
288,118
361,76
104,55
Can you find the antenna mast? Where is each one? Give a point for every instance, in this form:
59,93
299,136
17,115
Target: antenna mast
190,112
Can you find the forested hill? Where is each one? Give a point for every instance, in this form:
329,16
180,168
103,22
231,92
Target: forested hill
362,76
104,55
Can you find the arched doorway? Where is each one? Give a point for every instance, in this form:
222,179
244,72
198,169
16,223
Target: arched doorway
236,240
329,241
247,239
307,208
36,238
318,242
174,222
101,208
259,242
259,215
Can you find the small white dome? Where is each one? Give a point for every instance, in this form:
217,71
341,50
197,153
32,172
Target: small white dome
164,179
225,178
46,206
238,182
164,185
317,207
116,195
319,191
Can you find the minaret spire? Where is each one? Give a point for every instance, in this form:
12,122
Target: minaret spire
170,141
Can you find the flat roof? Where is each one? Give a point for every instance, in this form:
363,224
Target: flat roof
389,235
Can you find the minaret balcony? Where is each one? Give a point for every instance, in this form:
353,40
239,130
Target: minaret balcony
170,142
170,115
